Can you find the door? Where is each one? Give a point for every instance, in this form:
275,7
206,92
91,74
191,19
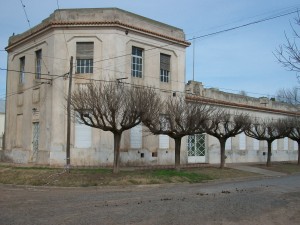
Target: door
35,141
196,148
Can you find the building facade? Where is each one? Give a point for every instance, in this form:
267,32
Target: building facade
107,44
110,44
241,148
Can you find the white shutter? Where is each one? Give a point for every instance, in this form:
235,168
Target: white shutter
286,143
228,144
255,144
242,140
136,136
295,145
83,136
274,145
163,141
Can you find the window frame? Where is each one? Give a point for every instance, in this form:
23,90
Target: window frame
22,70
137,62
84,64
165,68
38,64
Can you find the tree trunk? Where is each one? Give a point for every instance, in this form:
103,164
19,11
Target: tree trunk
269,154
117,141
177,153
222,152
299,153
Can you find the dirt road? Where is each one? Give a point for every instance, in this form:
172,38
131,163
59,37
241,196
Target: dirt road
259,201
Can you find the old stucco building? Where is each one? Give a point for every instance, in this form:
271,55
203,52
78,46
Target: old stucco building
110,44
107,44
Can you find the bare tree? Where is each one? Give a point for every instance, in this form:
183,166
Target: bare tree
289,54
177,118
224,125
294,132
267,130
112,107
291,96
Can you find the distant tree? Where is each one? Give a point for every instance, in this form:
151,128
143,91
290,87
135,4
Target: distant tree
177,118
242,92
291,96
112,107
267,130
223,125
289,54
294,132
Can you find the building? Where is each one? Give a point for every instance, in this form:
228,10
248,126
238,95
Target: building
2,120
107,44
205,148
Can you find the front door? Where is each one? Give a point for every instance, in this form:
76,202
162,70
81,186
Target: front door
35,141
196,148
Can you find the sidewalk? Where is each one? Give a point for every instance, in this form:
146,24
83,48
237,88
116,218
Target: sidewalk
254,169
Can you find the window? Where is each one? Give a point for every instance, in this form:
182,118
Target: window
137,62
38,64
136,136
84,57
242,141
196,145
83,135
286,143
274,145
228,144
22,70
163,141
164,67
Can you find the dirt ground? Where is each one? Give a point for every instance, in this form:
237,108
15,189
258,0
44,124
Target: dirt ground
251,201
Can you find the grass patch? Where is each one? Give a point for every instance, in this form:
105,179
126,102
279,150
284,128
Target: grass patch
84,177
182,176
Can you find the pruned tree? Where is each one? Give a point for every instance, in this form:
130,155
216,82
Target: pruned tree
267,130
112,107
223,125
294,132
177,118
291,96
289,54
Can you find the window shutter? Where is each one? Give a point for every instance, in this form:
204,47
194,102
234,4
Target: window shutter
165,62
83,136
228,144
274,145
136,136
84,50
163,141
286,143
242,140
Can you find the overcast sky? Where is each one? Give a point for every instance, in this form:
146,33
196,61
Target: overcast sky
237,60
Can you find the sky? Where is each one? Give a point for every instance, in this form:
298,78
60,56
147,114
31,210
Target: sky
238,60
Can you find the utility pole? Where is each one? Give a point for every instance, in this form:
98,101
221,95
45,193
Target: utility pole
69,116
194,58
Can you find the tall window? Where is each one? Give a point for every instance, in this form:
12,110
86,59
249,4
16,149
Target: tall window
84,57
22,70
164,68
38,64
137,62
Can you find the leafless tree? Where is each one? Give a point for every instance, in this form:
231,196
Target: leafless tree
177,118
112,107
294,132
267,130
291,96
289,54
224,125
